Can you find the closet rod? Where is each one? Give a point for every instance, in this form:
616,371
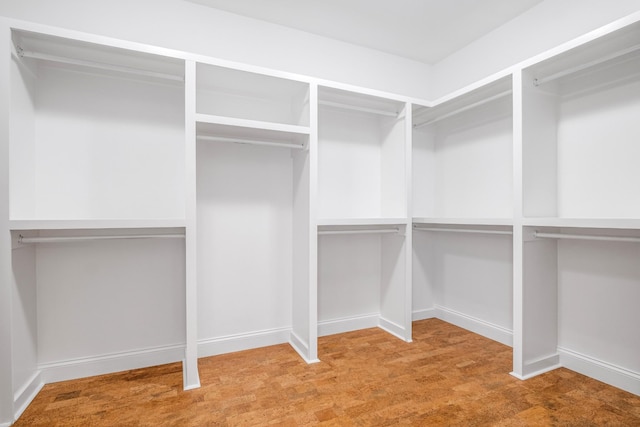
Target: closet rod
630,239
251,141
61,239
356,108
463,230
90,64
463,109
559,74
361,231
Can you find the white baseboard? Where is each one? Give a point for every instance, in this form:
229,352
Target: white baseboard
394,329
348,324
117,362
600,370
301,348
538,366
239,342
427,313
473,324
23,397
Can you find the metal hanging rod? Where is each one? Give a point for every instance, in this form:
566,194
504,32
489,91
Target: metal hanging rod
463,109
629,239
91,64
362,231
63,239
464,230
614,55
252,141
356,108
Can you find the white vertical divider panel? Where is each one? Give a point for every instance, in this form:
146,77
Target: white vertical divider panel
408,241
534,261
539,306
517,226
396,283
304,334
191,378
313,223
6,383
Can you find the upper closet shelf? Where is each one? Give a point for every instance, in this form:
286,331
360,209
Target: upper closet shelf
244,131
99,59
464,221
361,221
598,57
359,102
93,224
603,223
498,90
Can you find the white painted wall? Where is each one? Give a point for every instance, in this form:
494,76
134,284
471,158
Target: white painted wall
245,199
190,27
541,28
597,295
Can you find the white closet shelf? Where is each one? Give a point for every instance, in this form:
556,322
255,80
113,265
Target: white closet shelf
231,122
242,131
75,53
93,224
468,99
463,221
613,223
355,222
361,102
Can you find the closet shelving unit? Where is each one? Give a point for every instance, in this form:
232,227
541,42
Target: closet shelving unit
97,215
362,223
581,211
463,209
253,208
165,206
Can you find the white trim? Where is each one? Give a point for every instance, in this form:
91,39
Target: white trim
606,372
426,313
23,397
473,324
239,342
394,329
533,368
348,324
110,363
301,348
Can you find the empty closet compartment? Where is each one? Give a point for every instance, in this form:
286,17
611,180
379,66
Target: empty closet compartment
252,208
463,274
362,156
581,131
96,131
363,279
463,155
581,287
94,301
224,92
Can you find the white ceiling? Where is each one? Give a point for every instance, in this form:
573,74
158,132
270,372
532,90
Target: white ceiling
422,30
